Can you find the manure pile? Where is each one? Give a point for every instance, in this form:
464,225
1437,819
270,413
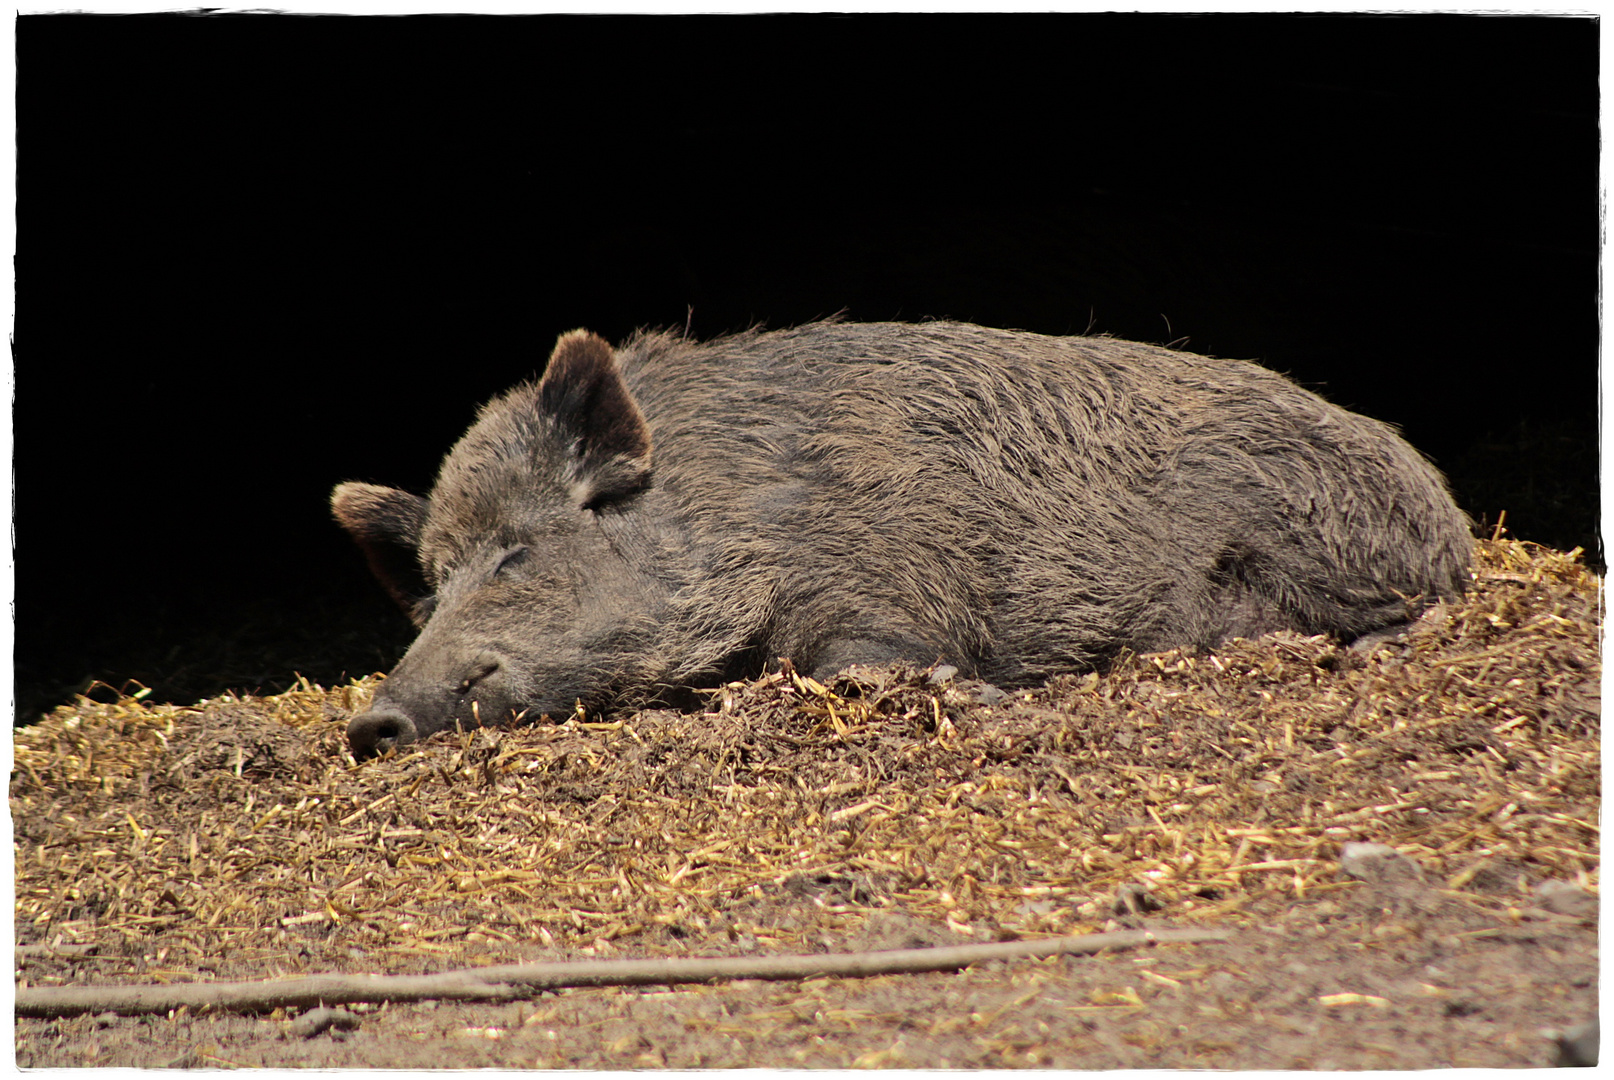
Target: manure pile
236,839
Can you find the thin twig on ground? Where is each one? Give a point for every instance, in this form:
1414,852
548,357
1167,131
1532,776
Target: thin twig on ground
508,981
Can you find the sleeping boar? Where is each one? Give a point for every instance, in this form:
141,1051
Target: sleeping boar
672,514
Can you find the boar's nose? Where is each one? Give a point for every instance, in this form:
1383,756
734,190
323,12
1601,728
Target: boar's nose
378,731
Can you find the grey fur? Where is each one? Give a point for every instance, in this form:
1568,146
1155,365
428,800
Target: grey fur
1014,504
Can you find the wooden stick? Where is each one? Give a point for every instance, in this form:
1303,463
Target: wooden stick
508,981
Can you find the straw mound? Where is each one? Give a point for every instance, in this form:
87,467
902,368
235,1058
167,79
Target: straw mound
237,839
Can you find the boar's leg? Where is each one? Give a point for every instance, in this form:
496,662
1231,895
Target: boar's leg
1374,638
838,654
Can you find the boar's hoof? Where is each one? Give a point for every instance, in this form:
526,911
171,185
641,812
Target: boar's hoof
378,731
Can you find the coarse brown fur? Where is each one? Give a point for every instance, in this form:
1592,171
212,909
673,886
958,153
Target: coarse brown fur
1017,505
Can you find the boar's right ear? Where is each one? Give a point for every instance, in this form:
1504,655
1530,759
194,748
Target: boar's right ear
583,395
386,523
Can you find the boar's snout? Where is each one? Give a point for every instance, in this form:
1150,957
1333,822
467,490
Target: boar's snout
378,731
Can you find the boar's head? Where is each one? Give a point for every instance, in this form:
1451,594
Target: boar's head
528,569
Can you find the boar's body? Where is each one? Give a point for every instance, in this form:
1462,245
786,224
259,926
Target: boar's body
676,513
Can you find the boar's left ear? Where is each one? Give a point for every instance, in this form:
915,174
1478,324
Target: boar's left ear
386,524
583,395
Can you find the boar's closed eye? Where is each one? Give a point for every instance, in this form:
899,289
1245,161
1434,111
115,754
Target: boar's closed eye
514,557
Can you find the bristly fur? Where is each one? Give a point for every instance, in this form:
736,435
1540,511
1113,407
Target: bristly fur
1014,504
1025,505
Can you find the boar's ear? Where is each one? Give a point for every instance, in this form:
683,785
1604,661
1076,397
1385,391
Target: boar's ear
583,395
386,523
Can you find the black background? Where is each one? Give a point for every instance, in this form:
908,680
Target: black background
258,255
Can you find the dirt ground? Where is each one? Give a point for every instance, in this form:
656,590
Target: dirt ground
236,840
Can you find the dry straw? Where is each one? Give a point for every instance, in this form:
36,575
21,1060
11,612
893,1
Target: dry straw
237,839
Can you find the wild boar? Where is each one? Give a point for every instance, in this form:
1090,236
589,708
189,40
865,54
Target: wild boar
672,514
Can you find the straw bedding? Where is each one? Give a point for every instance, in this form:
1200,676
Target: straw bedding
236,839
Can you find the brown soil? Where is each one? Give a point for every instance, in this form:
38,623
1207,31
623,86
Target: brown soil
236,840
